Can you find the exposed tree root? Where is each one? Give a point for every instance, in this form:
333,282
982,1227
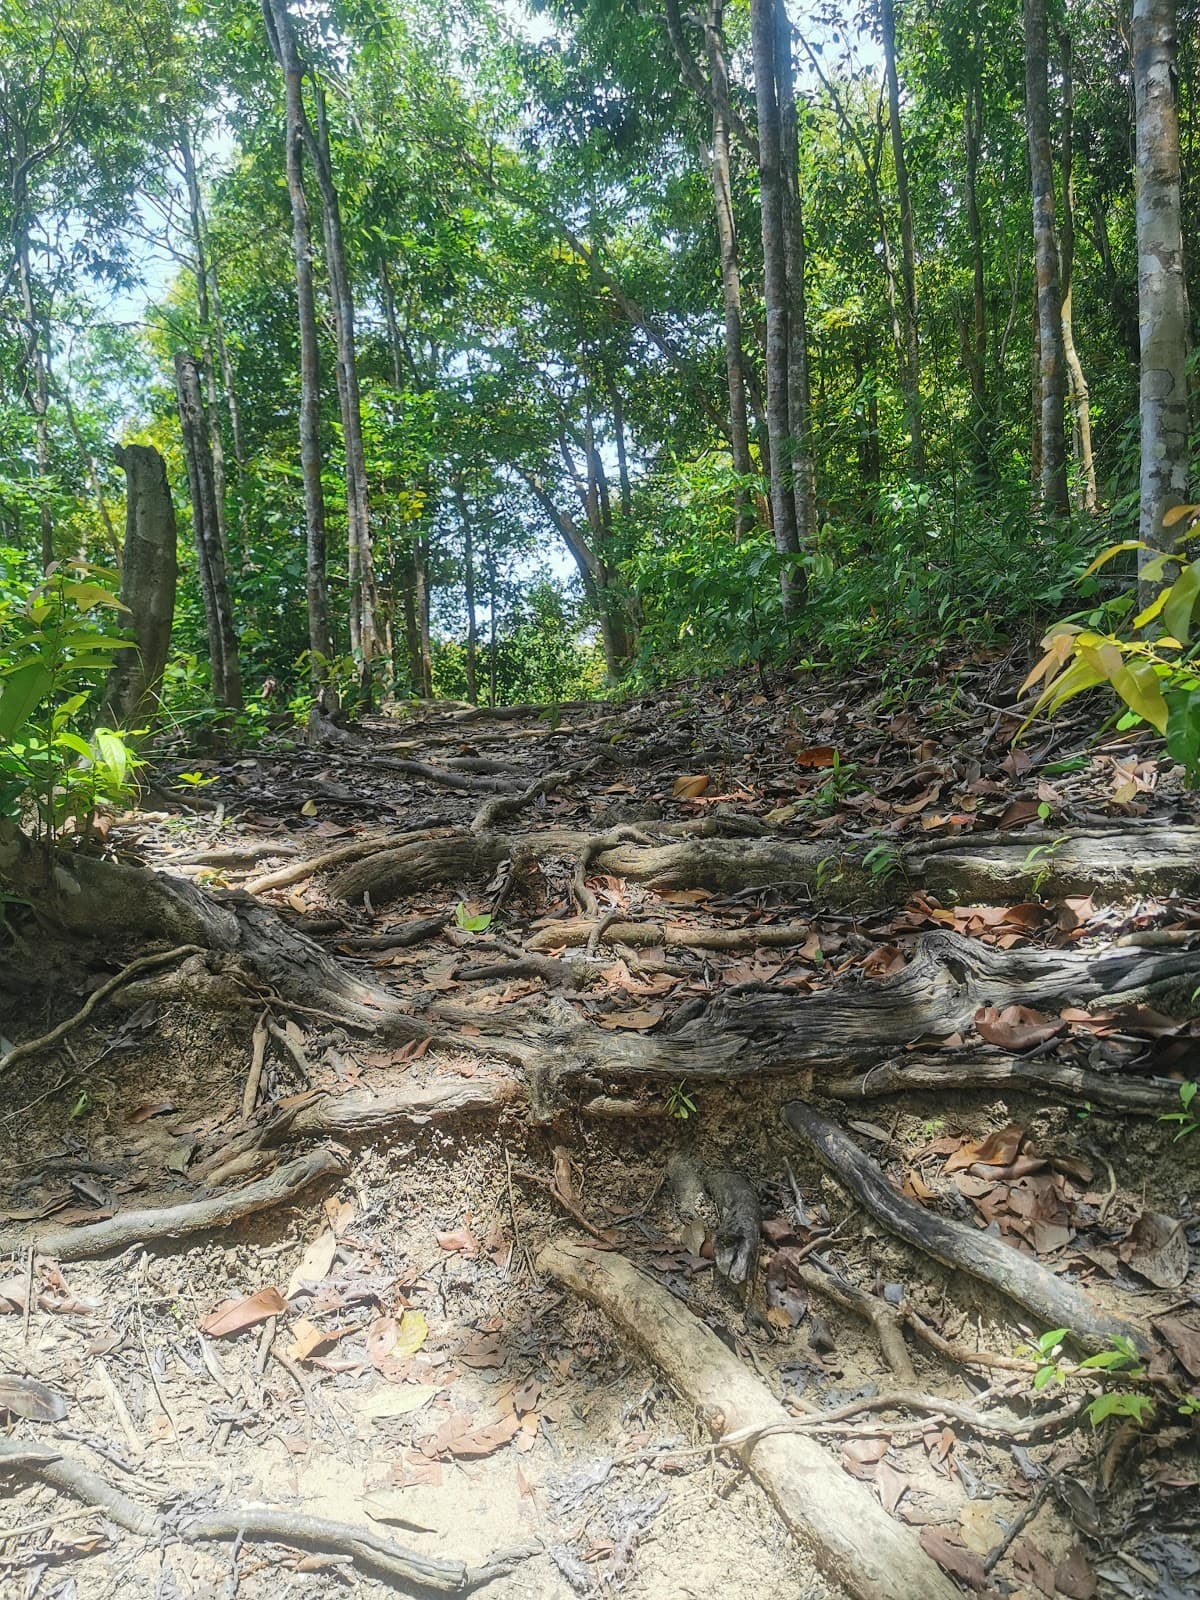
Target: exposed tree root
261,1524
108,900
366,1111
1056,1302
671,935
883,1318
937,994
151,1223
992,1069
838,1519
1116,864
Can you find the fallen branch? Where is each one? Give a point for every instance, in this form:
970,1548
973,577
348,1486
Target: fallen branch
1055,1302
261,1524
883,1318
851,1537
507,805
154,1223
934,1408
30,1047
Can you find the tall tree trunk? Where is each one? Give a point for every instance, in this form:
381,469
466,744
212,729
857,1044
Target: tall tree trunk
1054,493
799,399
908,254
720,175
148,569
34,374
320,635
364,599
1080,399
981,431
464,517
421,601
210,557
208,356
1162,288
776,298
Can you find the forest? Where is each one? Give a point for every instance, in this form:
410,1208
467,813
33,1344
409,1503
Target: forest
599,856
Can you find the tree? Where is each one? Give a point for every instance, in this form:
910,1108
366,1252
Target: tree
1162,287
1052,361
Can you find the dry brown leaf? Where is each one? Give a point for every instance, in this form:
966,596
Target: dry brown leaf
395,1400
689,786
640,1020
461,1240
1156,1248
26,1397
998,1149
891,1486
816,755
953,1556
1183,1335
1016,1028
234,1316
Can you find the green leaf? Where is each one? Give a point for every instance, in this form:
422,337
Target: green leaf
1181,602
1183,730
23,693
1137,684
1113,550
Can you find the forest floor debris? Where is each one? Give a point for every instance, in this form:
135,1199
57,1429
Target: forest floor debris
377,1348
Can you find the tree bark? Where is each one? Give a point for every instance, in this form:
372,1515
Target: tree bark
472,662
148,568
208,355
218,612
776,297
320,635
981,429
1055,498
36,379
911,375
1080,398
1162,288
364,597
799,404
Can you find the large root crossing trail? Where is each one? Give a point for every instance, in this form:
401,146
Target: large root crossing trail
734,1139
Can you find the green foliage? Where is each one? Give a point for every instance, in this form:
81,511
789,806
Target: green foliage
1155,673
54,654
1186,1117
680,1104
478,923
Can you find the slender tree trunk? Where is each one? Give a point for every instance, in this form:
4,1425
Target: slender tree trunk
364,600
421,601
981,431
210,557
36,378
320,635
208,358
1080,399
908,255
1054,492
776,298
148,571
464,517
799,399
720,175
1035,393
1162,287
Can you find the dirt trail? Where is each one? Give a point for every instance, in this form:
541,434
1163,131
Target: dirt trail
455,987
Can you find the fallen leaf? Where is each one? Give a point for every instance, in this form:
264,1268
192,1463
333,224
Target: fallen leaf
998,1149
309,808
26,1397
307,1338
953,1556
314,1263
234,1316
395,1400
1016,1028
1184,1338
1074,1576
458,1239
411,1333
817,755
687,788
456,1436
638,1021
891,1486
1156,1248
